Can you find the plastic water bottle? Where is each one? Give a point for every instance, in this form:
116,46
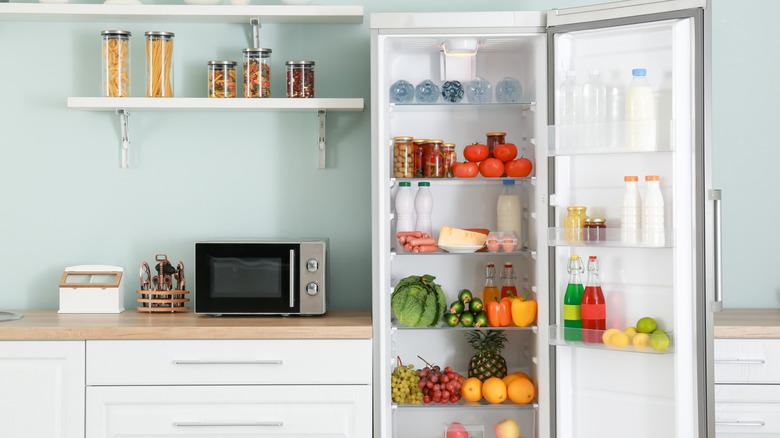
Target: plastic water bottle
653,213
640,113
569,111
631,212
404,207
616,110
594,111
423,206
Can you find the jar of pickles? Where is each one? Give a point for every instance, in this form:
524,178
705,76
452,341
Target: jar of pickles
257,72
450,157
300,78
159,64
222,78
403,157
574,225
494,139
420,145
116,63
433,166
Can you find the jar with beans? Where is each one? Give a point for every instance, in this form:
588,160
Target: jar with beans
403,157
300,78
450,157
257,72
434,160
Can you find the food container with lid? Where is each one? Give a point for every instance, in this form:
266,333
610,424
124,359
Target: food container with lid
159,64
433,166
116,63
450,158
300,78
494,139
222,78
257,72
403,157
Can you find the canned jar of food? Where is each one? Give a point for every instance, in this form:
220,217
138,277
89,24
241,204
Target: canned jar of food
222,78
159,64
116,63
595,229
403,157
434,160
300,78
574,224
494,139
450,157
257,72
420,145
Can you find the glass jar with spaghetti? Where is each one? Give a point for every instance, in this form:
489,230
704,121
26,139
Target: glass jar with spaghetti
494,139
257,72
403,166
300,78
450,157
116,63
222,79
159,64
434,160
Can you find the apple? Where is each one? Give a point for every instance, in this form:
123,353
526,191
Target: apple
507,429
456,430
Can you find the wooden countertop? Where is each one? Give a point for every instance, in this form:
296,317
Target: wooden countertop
50,325
747,323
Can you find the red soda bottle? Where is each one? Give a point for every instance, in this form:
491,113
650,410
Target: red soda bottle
594,306
508,288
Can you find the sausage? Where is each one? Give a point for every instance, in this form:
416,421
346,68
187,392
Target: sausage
402,240
408,247
409,234
422,241
426,248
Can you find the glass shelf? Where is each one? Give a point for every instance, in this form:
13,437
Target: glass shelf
557,237
558,335
478,253
464,181
459,105
611,133
396,326
482,404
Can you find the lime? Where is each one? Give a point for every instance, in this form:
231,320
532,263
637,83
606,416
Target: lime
451,319
646,325
465,296
659,341
640,341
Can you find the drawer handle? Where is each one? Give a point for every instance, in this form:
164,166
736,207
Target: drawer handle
739,423
228,362
740,361
222,424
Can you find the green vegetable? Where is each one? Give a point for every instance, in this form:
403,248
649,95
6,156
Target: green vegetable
452,319
465,296
457,307
418,301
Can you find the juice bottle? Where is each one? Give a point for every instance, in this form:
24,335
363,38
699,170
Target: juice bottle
490,292
572,300
594,306
508,288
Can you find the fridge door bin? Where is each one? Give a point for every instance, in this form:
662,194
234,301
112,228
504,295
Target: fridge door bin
604,138
632,343
557,236
417,422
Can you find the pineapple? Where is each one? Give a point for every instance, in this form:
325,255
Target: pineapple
488,361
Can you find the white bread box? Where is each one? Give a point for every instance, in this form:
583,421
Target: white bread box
92,289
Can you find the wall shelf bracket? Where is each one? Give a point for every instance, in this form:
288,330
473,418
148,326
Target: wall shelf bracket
125,133
321,137
255,23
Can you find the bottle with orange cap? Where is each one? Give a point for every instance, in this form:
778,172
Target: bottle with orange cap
631,212
653,213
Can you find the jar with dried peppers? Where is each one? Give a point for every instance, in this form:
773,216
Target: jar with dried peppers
257,72
450,158
222,78
300,78
433,166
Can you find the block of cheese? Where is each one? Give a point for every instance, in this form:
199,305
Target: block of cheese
449,236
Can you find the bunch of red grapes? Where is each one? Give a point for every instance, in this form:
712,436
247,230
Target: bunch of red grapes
439,386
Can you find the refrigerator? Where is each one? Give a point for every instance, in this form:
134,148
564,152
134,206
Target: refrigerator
582,390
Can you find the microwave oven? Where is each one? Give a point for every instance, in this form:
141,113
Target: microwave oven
274,277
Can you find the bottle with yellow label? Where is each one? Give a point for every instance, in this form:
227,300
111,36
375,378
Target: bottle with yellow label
574,225
572,301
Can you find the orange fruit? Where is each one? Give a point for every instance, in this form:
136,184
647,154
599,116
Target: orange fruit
521,391
522,374
509,378
471,389
494,390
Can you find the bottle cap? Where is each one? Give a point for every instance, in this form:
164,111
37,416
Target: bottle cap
423,184
576,208
509,182
592,258
405,184
575,257
630,178
639,72
652,178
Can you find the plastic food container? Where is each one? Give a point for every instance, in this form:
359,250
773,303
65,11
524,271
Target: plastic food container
116,63
508,241
300,78
222,78
403,157
159,64
257,72
493,241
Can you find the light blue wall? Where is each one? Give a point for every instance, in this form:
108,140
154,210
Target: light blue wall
208,175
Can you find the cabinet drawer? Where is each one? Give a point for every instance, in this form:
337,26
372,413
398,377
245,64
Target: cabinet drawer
215,362
746,410
224,411
747,361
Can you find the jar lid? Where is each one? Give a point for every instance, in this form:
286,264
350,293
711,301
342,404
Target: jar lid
495,133
228,63
157,33
299,63
420,140
448,145
595,221
256,50
576,208
116,32
436,141
402,138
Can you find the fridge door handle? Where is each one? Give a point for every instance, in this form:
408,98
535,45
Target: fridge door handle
739,361
715,197
739,423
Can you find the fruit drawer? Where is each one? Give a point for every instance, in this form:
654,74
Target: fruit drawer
629,342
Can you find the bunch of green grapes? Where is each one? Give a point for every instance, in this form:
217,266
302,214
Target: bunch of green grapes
405,385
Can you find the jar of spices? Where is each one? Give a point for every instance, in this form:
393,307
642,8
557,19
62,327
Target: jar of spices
300,78
403,157
116,63
494,139
222,78
159,64
434,160
595,229
450,157
419,151
257,72
574,225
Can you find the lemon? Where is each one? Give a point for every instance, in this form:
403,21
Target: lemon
619,339
640,341
659,341
608,335
630,332
646,325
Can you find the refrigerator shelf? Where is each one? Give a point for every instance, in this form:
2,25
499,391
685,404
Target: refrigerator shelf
464,181
556,236
612,133
460,106
478,253
557,338
462,404
396,326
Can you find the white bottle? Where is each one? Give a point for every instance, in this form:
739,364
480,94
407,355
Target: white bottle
423,206
653,214
404,207
640,113
509,211
594,111
569,112
631,212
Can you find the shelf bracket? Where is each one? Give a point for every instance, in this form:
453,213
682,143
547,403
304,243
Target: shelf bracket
125,142
255,23
321,138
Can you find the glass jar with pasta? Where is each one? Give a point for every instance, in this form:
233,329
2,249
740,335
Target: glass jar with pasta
222,79
116,63
159,64
257,72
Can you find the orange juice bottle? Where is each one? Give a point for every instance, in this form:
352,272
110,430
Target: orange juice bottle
490,292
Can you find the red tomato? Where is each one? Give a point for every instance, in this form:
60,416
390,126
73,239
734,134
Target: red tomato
465,170
519,168
476,152
505,152
491,168
456,430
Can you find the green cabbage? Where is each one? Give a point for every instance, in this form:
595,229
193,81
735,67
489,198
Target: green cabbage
418,302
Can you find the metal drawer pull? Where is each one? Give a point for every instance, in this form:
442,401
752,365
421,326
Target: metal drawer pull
739,423
229,362
740,361
218,424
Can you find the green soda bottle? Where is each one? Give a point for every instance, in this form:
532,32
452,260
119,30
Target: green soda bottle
572,301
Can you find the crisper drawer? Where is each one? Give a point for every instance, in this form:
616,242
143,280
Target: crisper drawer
747,361
225,411
215,362
747,410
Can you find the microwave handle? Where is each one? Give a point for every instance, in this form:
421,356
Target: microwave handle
292,278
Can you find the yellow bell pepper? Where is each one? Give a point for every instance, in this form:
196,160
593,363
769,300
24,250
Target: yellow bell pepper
523,311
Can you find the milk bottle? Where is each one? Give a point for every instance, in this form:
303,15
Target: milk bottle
640,113
508,210
653,213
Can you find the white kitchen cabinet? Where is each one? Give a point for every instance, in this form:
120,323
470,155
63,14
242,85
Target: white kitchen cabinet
42,389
